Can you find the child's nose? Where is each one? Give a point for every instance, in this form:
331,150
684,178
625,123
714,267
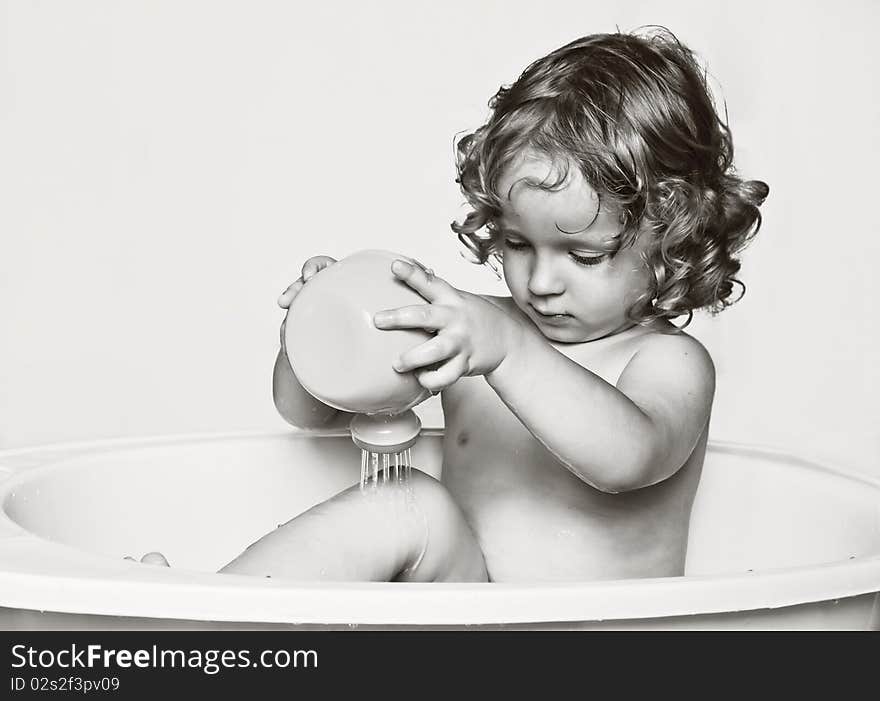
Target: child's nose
544,278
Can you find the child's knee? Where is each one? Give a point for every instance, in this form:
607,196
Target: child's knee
446,549
420,521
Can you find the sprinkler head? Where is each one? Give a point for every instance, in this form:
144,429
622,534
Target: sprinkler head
385,433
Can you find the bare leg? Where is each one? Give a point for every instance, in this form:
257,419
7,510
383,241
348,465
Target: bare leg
413,532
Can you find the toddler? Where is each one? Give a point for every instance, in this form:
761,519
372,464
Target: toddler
576,412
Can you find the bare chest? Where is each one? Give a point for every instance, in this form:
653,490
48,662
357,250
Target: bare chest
536,520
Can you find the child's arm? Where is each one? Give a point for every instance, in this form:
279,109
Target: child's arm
613,438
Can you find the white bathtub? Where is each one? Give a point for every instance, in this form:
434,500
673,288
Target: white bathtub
775,542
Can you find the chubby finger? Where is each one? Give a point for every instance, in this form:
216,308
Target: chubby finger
417,316
442,377
422,280
292,291
315,265
432,351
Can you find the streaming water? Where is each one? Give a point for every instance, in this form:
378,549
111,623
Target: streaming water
396,471
385,467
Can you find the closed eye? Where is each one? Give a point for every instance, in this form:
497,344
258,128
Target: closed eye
588,260
515,245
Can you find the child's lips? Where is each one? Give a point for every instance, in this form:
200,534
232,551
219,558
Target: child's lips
550,315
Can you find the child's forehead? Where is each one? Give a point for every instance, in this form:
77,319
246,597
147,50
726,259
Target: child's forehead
572,209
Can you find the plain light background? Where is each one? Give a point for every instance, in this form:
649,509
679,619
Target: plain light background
166,166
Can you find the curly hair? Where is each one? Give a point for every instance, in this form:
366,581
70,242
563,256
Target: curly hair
633,112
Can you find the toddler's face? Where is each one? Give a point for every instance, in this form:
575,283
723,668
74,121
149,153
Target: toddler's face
567,283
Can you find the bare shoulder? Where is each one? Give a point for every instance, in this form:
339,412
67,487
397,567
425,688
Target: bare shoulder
674,360
674,346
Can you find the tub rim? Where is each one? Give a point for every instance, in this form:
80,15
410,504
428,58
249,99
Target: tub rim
38,574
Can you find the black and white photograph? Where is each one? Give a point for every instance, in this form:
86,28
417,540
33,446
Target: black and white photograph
419,316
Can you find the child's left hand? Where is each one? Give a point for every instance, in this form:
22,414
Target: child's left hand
473,336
